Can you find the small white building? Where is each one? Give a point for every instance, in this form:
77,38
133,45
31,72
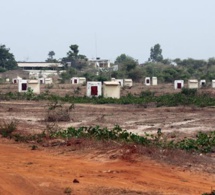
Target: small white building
193,84
213,83
178,84
75,80
202,83
99,63
23,86
113,79
34,85
48,81
16,80
147,81
42,80
111,89
154,81
94,88
7,80
78,80
82,80
120,81
128,82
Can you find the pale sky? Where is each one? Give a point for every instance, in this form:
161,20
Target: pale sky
183,28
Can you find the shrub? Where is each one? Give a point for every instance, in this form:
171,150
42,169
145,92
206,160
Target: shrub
7,127
58,111
189,92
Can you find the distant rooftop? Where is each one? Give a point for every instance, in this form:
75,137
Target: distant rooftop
39,64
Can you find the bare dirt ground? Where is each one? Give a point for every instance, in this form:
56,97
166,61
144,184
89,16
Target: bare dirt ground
50,170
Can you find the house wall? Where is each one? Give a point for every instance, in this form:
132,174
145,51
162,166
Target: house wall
34,85
149,81
176,83
94,83
154,81
82,80
48,81
202,83
193,84
41,80
73,79
120,81
213,83
128,82
20,86
112,91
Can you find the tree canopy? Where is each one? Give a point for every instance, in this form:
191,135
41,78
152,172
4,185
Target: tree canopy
7,60
50,58
156,54
76,60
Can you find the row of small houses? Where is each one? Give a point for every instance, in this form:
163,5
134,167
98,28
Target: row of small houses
107,88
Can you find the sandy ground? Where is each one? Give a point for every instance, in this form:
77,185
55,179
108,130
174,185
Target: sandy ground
52,170
45,171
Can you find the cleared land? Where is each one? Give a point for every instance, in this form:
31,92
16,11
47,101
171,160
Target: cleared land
102,168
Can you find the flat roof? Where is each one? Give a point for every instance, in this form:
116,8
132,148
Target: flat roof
39,64
111,83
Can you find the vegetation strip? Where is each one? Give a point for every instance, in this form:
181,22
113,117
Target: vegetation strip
185,97
204,142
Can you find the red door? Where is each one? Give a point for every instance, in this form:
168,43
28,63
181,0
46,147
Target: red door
179,85
94,90
24,86
75,81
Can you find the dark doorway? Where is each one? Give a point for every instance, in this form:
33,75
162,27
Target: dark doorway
94,90
24,86
41,81
178,85
147,81
75,81
14,81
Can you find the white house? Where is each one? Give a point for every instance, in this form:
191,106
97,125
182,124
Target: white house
78,80
147,81
193,84
128,82
23,86
120,81
43,68
16,80
42,80
82,80
178,84
202,83
34,85
48,81
99,63
213,83
94,88
111,89
154,81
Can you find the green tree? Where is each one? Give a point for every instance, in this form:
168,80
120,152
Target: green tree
76,60
7,60
156,54
50,58
51,54
127,63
